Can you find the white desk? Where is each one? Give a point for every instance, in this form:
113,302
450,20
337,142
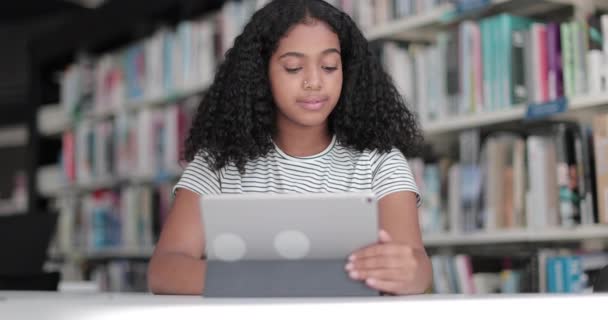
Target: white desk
22,305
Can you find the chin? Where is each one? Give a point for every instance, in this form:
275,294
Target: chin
311,122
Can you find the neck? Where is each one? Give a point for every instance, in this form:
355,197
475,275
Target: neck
299,141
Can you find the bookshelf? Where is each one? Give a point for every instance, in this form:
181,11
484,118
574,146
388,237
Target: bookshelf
503,237
421,29
134,106
105,254
463,122
417,41
552,235
441,15
576,106
52,120
13,136
79,189
546,236
409,28
129,202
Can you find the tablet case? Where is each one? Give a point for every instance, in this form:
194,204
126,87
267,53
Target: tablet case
279,278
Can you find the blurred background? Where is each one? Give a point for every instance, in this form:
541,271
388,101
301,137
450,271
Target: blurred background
97,98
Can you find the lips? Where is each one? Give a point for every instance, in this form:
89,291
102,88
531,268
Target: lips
312,103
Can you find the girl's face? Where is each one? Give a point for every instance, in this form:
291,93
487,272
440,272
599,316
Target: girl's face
306,75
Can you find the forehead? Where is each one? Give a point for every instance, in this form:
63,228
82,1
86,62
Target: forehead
312,36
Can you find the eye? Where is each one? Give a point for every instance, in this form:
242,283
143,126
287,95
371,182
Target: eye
293,70
330,69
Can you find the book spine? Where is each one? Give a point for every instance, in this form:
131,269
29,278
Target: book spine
519,88
543,59
555,72
567,59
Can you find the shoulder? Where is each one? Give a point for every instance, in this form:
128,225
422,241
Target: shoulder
200,163
200,177
391,173
380,160
374,157
366,154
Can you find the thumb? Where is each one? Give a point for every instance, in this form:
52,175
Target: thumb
384,236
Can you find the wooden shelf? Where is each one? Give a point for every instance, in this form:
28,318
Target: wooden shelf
577,105
170,98
113,182
14,136
409,28
424,26
133,106
462,122
579,233
52,120
104,254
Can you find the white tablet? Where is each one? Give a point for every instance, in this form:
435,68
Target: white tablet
288,226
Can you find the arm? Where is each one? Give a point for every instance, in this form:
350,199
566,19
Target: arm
399,263
399,218
177,265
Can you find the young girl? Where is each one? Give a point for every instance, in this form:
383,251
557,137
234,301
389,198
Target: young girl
300,104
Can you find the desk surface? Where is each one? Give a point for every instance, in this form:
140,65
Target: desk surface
39,305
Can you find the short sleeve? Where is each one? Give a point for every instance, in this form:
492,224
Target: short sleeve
200,178
391,173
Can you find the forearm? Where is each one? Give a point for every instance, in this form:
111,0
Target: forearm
176,273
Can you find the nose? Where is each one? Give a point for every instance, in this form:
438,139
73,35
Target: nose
313,80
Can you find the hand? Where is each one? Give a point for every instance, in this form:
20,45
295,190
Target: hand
387,266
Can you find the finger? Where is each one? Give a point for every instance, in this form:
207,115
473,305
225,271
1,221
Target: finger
384,236
361,250
380,262
385,286
378,250
380,274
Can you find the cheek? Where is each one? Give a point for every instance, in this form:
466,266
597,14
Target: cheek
334,85
284,87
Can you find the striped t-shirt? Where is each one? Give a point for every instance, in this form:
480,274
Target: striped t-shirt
336,169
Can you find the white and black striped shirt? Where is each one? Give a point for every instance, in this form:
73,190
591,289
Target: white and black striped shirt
336,169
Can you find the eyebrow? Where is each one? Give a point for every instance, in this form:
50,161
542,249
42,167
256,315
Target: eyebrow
301,55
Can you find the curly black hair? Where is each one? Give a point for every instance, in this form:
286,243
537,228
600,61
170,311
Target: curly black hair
235,121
